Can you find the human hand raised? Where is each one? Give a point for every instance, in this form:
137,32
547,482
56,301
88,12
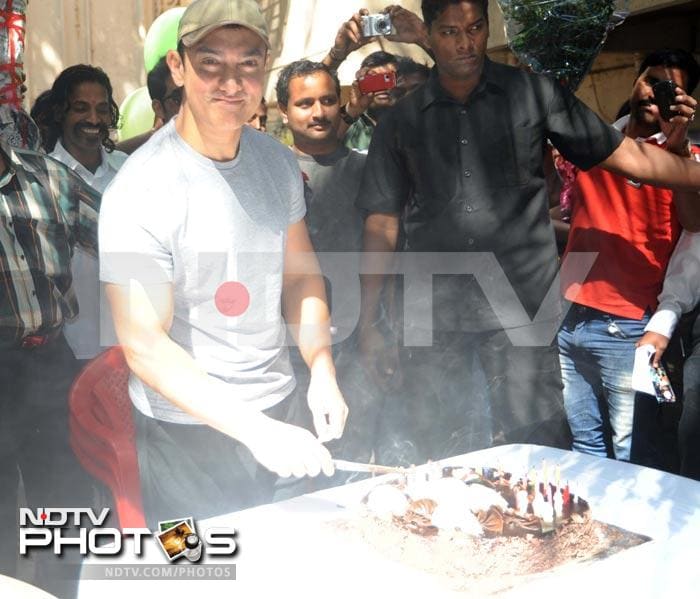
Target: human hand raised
409,27
349,37
676,130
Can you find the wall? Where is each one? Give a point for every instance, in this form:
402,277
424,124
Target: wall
100,32
110,33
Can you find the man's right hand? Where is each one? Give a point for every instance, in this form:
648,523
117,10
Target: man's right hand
289,450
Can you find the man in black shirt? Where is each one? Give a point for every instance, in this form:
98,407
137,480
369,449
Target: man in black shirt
457,166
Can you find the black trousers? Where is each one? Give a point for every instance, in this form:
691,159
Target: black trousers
689,425
472,390
195,470
34,443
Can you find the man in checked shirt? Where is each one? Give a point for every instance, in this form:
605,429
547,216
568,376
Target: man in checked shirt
44,211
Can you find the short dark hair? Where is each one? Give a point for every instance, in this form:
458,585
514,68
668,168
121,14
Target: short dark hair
59,97
678,58
378,59
301,68
432,8
406,66
156,79
42,115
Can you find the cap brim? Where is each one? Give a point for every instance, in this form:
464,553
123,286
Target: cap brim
193,37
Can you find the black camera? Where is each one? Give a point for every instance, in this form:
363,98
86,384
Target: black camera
664,98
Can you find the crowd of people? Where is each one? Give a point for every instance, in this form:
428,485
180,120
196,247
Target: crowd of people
421,208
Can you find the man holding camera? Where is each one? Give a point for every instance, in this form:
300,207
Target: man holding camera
633,228
372,91
457,167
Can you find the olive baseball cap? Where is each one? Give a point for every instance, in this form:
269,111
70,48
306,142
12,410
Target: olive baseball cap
203,16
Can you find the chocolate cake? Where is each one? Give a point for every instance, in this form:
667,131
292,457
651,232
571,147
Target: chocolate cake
482,532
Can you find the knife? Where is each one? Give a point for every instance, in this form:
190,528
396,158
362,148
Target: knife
347,466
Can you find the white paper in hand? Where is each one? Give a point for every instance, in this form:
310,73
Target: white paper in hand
641,373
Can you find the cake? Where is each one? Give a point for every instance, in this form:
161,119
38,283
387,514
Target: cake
482,531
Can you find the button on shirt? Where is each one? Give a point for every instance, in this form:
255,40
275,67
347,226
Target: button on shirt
83,335
44,211
486,195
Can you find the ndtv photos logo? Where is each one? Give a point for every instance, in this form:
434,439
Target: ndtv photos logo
61,529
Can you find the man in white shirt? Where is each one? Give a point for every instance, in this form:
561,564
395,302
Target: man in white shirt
81,96
681,294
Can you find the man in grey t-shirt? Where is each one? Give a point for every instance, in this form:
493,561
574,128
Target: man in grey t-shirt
202,255
308,96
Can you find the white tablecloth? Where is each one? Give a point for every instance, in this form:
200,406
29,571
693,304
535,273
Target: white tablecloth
284,550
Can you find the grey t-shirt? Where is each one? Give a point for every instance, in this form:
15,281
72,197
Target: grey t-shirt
333,182
172,215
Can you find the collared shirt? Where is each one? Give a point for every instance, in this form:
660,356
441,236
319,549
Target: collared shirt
633,227
83,335
469,177
111,163
45,209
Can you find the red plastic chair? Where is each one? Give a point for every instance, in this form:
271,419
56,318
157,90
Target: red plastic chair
102,432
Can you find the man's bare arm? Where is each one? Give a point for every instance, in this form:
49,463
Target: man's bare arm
308,318
381,234
646,163
142,318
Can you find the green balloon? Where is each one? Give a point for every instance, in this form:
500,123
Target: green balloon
161,36
136,114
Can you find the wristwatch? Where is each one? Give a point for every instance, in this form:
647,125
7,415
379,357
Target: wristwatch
349,119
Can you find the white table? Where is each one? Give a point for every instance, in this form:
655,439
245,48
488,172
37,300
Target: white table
18,589
284,552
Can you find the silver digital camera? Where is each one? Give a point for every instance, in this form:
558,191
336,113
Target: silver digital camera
379,24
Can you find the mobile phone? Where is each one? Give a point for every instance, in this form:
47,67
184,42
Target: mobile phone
662,384
378,82
665,97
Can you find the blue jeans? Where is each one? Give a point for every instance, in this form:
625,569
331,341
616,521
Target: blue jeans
596,352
